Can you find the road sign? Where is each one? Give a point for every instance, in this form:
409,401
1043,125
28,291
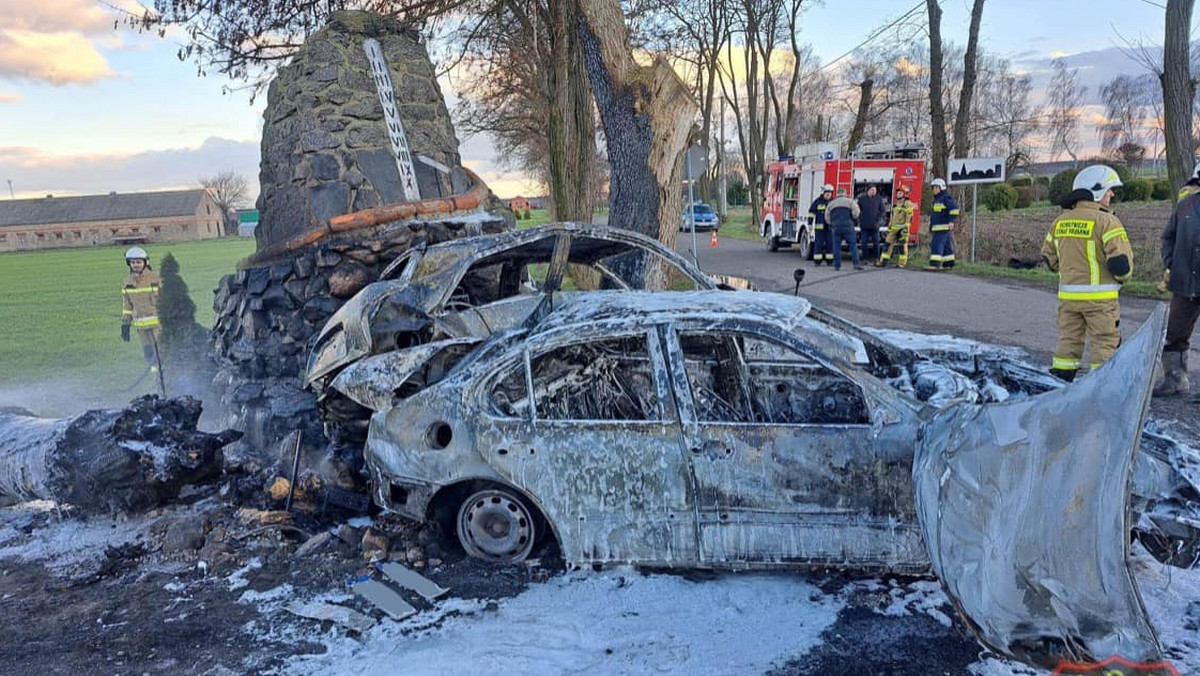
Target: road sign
965,170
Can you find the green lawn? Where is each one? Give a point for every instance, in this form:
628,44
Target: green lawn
60,311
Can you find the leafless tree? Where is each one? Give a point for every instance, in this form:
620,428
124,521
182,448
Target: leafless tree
1012,116
1178,91
1065,100
962,121
229,191
937,110
1124,110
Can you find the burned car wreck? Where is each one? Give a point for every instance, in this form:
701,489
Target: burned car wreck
747,430
448,297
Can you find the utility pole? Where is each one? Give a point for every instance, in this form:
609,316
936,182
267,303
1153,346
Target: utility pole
724,202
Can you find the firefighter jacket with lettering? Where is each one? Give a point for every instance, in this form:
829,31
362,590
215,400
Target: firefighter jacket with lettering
945,212
817,211
140,297
1090,251
902,212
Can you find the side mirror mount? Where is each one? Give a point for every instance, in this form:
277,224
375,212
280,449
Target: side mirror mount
798,275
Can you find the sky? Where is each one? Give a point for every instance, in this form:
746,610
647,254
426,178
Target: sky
87,109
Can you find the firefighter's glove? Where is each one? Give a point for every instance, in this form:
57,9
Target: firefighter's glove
125,332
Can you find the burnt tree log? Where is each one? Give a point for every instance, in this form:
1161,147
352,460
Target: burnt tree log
109,460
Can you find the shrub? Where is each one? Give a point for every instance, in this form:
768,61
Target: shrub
1136,190
1000,197
527,216
1060,185
1021,181
1042,181
1161,190
1025,196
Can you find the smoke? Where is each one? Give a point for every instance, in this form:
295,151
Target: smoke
65,397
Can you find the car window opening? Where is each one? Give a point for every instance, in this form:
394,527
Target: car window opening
609,379
745,380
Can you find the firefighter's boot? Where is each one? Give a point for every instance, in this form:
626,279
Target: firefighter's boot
1065,375
1175,376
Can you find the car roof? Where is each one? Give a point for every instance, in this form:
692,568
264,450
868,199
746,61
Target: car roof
655,307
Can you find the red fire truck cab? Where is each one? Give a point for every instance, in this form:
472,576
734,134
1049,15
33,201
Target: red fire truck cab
793,182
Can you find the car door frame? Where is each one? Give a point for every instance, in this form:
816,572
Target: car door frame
569,473
739,525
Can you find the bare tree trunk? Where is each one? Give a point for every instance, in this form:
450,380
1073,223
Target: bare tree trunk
962,122
864,110
571,129
647,115
937,110
1179,90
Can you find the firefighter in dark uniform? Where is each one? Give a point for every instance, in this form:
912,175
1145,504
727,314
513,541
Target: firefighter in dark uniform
941,224
822,242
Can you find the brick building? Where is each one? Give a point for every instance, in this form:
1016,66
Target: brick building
116,218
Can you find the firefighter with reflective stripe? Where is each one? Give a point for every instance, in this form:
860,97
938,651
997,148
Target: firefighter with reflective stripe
140,298
1181,258
941,224
897,236
822,244
1090,251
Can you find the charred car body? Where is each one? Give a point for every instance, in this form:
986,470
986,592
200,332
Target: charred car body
749,430
449,296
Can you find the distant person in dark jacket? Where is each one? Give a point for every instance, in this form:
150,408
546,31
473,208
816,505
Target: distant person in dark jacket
1181,257
842,213
871,213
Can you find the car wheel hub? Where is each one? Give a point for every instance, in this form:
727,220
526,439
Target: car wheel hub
496,526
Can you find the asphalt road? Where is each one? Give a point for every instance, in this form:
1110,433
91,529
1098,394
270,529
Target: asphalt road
993,310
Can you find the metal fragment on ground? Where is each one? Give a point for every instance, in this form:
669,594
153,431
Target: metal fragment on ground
410,579
328,612
384,598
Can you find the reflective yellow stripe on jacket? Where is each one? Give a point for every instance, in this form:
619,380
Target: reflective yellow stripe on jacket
1088,291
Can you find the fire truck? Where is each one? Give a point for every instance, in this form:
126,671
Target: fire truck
794,181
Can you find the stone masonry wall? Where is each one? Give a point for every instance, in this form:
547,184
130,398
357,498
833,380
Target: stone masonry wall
325,144
267,318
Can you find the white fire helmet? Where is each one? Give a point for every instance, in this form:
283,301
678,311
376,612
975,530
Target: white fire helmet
939,183
826,188
135,253
1098,179
1196,171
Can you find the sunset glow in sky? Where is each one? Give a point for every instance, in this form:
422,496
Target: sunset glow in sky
85,108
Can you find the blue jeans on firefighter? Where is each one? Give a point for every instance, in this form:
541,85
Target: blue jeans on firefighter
844,235
941,249
823,245
870,243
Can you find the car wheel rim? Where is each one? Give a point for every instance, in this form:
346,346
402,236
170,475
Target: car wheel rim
496,526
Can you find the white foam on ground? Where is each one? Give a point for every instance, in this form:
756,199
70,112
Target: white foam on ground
68,542
615,622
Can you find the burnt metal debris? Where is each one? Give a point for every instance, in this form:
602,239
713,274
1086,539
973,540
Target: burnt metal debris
109,460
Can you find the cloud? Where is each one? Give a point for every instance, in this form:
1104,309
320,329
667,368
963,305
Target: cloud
57,58
36,173
55,16
10,98
60,41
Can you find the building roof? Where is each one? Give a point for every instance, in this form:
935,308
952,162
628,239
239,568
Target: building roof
110,207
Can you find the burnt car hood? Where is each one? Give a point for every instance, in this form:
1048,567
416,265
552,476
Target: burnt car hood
1025,509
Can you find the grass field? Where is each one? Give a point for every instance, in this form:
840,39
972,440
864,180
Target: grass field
60,313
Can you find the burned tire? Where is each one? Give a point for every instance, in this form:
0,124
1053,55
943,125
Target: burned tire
497,525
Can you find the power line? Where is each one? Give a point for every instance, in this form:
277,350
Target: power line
876,34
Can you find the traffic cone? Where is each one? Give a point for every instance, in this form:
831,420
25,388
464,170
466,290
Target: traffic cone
713,240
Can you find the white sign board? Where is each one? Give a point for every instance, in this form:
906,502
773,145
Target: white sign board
965,170
387,98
